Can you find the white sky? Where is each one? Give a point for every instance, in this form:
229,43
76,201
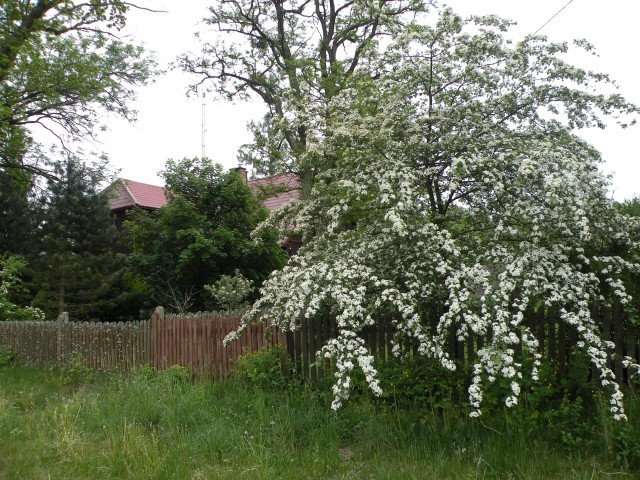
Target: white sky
169,123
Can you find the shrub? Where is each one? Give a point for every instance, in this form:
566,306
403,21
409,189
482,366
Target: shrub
231,292
420,382
10,283
76,373
7,357
174,375
268,368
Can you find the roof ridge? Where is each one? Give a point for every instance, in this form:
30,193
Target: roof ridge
143,183
126,186
273,176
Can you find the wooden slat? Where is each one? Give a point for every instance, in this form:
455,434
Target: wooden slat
617,339
631,349
562,350
606,327
551,334
381,328
197,342
297,340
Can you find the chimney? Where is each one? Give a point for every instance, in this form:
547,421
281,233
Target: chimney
240,170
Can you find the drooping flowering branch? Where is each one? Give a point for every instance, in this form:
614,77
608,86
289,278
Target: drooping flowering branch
449,192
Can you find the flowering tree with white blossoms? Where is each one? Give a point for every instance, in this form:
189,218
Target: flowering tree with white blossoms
458,187
10,283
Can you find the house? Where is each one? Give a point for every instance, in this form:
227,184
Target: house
273,192
125,195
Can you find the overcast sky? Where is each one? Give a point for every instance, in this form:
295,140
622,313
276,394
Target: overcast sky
169,123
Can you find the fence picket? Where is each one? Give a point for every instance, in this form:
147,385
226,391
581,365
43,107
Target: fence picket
197,342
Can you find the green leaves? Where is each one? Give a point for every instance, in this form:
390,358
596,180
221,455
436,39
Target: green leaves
76,268
203,233
11,283
458,198
60,63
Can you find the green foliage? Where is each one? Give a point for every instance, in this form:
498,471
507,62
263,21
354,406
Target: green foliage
17,218
569,421
11,283
201,234
268,368
231,292
417,382
77,270
139,425
75,373
624,446
7,357
60,65
174,375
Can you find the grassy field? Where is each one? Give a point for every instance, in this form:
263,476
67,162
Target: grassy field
71,425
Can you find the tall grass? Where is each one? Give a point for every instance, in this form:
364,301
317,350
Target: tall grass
149,425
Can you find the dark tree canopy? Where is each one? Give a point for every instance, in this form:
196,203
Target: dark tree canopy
76,269
17,215
201,234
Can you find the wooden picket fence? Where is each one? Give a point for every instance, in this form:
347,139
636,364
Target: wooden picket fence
97,345
196,342
554,336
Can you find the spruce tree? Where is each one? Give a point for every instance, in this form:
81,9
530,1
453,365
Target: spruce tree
16,212
77,269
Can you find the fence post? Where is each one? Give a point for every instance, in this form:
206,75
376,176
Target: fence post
156,347
63,318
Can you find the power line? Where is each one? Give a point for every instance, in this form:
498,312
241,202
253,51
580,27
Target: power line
557,13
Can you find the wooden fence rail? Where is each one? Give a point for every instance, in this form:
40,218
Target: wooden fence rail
196,342
97,345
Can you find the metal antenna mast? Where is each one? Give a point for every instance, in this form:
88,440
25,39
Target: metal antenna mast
204,129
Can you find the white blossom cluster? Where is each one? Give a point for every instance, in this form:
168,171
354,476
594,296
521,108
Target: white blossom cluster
453,194
231,291
345,348
10,280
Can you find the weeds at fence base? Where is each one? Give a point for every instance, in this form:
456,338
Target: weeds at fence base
7,357
161,425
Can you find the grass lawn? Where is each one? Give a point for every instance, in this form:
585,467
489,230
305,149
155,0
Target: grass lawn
62,425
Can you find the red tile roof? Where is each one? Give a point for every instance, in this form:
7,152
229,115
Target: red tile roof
289,189
128,194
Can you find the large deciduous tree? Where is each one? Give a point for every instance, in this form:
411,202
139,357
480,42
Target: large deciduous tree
295,56
201,234
460,190
60,64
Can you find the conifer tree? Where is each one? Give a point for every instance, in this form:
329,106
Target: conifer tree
16,212
77,268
